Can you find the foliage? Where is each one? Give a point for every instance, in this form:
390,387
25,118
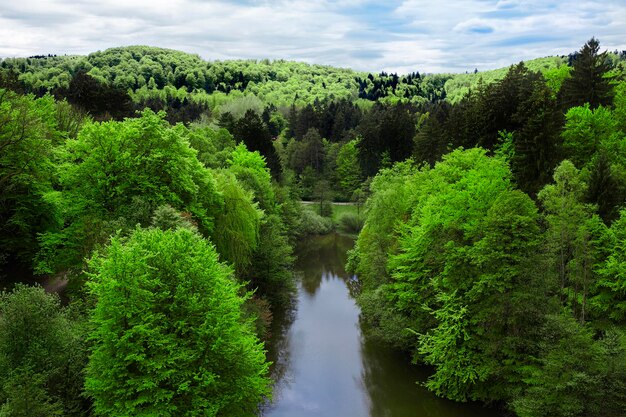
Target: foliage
459,84
113,165
311,223
351,223
28,136
168,334
236,233
575,375
42,355
391,201
589,82
348,169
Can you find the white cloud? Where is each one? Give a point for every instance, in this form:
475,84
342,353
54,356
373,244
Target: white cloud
414,35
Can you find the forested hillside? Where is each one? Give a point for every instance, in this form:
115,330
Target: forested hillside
165,190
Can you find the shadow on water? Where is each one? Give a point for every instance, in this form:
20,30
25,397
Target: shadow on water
324,366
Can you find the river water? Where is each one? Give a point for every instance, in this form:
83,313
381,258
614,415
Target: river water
325,367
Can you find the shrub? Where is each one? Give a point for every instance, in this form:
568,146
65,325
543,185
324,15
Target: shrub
351,223
312,223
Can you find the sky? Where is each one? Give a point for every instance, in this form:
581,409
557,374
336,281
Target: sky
395,35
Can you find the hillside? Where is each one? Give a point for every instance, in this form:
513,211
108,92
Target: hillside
149,72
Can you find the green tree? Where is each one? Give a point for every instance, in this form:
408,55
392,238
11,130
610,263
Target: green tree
464,276
575,375
112,166
269,271
28,135
42,355
168,334
611,300
236,233
348,168
571,228
585,129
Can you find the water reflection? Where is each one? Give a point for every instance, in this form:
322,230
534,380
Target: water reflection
323,364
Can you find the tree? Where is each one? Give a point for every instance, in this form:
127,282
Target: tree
573,238
348,168
605,190
42,355
464,276
99,99
324,194
251,130
271,260
28,136
589,82
536,141
387,129
574,375
611,300
585,130
168,334
113,166
309,152
236,233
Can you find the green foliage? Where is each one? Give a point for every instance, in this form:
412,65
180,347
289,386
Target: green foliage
459,84
168,335
612,281
348,168
590,80
351,223
25,396
214,146
585,129
575,375
311,223
111,165
570,235
461,248
468,242
391,201
251,171
270,271
166,217
556,76
28,135
42,355
236,233
271,261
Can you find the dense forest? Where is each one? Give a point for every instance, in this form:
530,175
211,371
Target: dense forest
165,190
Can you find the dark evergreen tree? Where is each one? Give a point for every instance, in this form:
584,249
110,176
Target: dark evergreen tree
536,142
251,130
588,83
605,190
100,100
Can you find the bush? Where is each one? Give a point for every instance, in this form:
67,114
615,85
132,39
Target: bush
312,223
351,223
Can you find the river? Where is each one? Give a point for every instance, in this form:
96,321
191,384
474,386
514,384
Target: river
323,364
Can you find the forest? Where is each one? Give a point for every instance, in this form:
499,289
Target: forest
166,191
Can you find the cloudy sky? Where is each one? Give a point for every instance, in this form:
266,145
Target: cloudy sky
402,35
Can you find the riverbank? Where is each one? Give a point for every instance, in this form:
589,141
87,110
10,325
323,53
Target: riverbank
344,218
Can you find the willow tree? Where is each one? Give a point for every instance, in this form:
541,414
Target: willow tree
236,233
